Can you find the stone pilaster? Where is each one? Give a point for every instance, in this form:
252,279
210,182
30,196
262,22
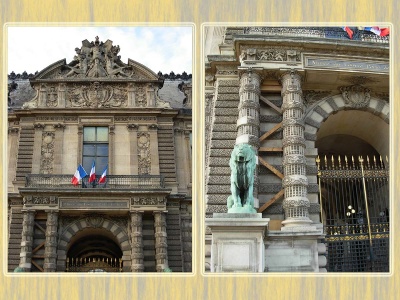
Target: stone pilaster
58,146
27,240
37,148
295,204
12,156
137,241
80,144
50,253
111,154
160,229
188,159
155,165
133,131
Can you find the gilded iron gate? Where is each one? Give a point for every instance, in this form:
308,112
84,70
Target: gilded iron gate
354,199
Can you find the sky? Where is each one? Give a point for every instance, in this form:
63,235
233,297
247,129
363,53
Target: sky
162,49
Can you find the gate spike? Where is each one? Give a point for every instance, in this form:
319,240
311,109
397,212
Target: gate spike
325,160
375,162
345,159
387,159
368,162
333,161
340,166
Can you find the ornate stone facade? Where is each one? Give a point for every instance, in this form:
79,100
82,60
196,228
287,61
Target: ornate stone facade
97,108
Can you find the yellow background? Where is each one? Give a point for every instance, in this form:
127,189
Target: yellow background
198,286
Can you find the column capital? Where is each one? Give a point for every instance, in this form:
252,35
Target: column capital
132,127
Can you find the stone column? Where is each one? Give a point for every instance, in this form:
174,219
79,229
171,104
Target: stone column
50,253
61,95
248,123
295,203
27,240
137,241
160,228
154,158
133,129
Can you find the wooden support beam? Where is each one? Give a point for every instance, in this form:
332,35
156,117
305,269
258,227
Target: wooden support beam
271,131
271,201
266,101
40,227
38,247
271,168
37,266
270,149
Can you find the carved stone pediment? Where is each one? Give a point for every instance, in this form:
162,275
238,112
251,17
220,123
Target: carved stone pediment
96,60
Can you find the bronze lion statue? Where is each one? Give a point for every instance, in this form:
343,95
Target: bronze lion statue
243,164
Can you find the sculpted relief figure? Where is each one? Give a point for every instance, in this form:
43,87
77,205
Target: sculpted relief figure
97,59
243,164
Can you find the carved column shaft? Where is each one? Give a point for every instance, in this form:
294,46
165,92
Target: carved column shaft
27,240
296,203
50,254
248,123
160,227
137,242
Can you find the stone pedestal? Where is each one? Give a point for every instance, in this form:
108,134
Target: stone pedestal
237,242
293,252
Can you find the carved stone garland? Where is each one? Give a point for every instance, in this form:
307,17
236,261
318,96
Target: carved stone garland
143,139
296,203
47,153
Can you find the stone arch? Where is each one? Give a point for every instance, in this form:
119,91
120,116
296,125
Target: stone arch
94,222
319,112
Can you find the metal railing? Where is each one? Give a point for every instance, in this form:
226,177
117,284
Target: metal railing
58,181
319,32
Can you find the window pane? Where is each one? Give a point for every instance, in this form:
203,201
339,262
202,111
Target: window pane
89,150
102,134
87,164
102,150
101,163
89,134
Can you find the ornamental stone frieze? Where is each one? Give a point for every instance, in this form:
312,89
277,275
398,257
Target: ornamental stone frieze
97,95
40,200
275,54
148,201
356,96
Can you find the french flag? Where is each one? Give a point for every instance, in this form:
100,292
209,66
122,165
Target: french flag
349,31
92,176
103,176
79,174
381,31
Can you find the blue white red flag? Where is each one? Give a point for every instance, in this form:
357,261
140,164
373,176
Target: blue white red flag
381,31
92,176
103,176
349,31
79,174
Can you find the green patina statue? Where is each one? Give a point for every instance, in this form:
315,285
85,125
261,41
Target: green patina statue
243,164
19,269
